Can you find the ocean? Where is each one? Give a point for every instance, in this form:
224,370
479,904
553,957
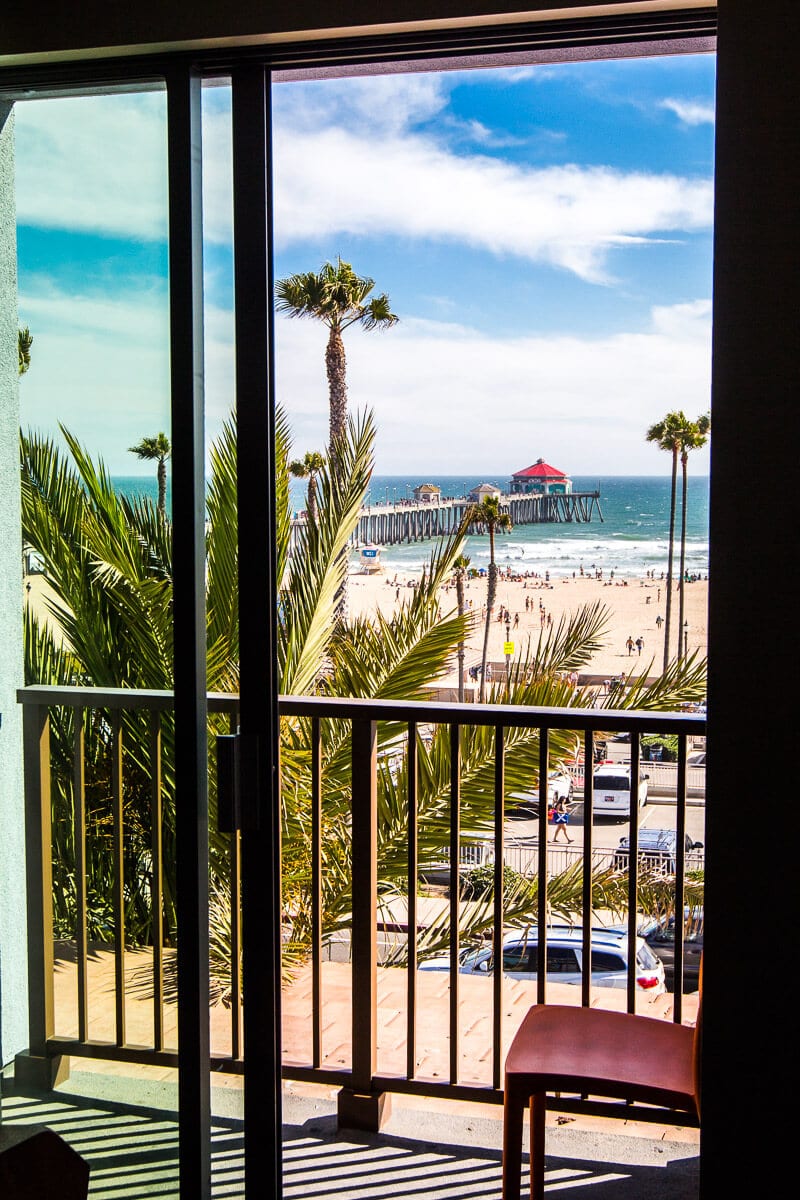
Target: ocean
631,539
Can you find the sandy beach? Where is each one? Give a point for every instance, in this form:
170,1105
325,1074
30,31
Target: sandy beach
633,608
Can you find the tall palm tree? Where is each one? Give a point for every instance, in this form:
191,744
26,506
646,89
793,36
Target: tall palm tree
158,449
695,435
668,434
460,565
488,514
24,343
308,467
338,298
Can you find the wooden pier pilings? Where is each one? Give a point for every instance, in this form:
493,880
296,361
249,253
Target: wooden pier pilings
394,524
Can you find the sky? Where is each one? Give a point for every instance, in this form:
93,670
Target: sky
544,235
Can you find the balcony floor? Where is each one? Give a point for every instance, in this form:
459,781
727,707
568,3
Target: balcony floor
131,1146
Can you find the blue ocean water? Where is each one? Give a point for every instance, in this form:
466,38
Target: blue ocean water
631,539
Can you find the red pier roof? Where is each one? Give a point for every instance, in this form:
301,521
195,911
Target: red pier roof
539,470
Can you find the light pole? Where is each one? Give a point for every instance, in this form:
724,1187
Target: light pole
508,657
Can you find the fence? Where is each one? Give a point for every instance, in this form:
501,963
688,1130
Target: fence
98,767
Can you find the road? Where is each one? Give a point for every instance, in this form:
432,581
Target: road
658,813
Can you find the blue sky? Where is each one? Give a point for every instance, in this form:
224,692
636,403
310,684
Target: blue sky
543,233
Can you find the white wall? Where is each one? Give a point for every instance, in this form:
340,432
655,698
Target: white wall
13,977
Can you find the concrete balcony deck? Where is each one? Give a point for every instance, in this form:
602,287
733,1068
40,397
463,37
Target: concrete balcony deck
126,1128
122,1118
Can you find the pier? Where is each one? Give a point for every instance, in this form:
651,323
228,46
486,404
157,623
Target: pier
411,521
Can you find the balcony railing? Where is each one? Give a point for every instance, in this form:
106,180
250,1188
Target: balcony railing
82,748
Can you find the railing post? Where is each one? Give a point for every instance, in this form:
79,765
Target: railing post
359,1107
36,1069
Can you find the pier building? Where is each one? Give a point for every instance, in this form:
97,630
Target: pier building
483,491
428,493
540,479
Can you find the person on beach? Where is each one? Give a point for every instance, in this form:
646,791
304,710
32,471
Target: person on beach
659,621
629,644
560,818
639,645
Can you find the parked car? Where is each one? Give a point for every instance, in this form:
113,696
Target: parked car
612,790
660,937
526,804
657,850
565,958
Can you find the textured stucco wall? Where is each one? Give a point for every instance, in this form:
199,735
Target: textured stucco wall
13,1006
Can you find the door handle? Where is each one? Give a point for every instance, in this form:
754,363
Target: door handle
228,789
237,782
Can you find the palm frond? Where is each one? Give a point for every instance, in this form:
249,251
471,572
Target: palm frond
317,565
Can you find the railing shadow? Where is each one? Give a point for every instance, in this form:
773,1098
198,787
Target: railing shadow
132,1151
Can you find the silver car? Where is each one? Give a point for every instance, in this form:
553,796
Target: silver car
609,950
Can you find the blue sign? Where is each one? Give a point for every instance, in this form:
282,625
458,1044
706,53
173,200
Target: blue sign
369,553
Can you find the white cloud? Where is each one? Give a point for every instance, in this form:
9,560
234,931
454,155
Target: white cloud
347,162
95,164
336,181
691,112
449,399
382,103
100,366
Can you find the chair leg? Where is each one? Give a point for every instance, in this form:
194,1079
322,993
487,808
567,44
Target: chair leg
538,1112
513,1109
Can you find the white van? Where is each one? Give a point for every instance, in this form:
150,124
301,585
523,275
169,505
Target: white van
612,790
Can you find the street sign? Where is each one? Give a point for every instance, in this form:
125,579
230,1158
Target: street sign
508,648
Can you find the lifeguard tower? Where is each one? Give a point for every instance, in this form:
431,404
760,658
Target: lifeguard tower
370,559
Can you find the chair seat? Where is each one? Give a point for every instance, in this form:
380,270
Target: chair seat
597,1053
561,1048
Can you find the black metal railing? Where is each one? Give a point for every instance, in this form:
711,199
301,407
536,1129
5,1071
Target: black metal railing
133,732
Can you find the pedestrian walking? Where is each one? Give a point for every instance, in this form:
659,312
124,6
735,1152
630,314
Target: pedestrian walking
559,815
639,646
659,621
629,644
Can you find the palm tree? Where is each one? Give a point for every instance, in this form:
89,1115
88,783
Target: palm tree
24,343
488,514
156,448
338,298
308,467
668,434
695,436
109,563
459,572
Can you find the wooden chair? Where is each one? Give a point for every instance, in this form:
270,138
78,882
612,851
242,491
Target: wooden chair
591,1052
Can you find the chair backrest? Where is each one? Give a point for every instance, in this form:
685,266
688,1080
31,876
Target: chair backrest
697,1044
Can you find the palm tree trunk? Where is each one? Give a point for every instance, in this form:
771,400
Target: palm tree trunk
311,497
460,600
491,592
682,583
670,555
336,370
162,486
